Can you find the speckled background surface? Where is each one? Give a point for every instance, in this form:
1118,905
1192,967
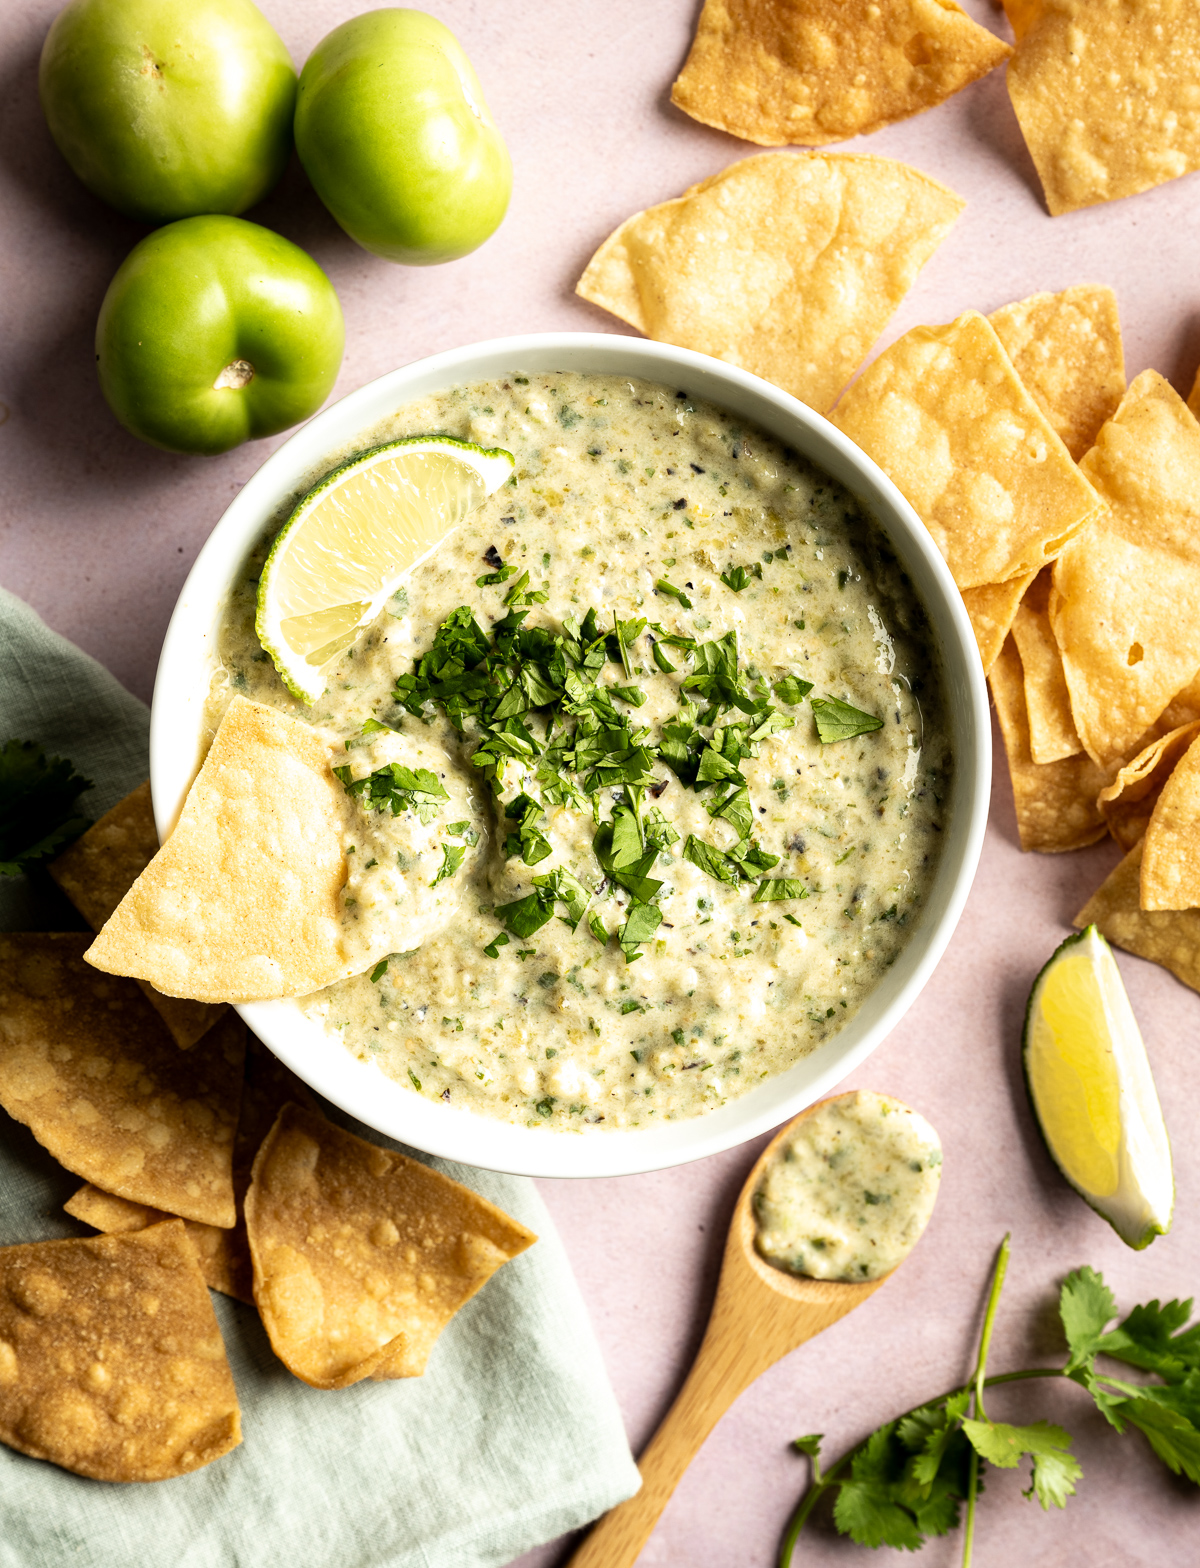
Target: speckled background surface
98,532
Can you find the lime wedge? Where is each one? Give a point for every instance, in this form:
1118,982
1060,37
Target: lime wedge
354,538
1093,1093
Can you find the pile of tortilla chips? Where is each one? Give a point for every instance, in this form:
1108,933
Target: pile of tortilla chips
1081,579
205,1165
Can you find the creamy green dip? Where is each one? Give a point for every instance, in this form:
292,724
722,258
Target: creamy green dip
848,1195
620,989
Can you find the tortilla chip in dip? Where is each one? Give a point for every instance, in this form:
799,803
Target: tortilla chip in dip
817,71
1170,938
97,872
1105,95
1067,350
241,902
361,1256
1052,733
787,264
944,414
111,1361
1170,877
87,1065
992,609
1055,802
1125,601
1128,802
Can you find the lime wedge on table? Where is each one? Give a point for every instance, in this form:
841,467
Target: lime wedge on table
354,538
1093,1093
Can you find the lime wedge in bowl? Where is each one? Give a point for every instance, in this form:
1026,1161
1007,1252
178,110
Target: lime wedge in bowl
354,538
1092,1091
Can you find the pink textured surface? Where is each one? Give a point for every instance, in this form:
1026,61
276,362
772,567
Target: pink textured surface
97,532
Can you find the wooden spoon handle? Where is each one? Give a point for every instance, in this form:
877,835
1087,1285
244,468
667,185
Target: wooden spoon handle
714,1382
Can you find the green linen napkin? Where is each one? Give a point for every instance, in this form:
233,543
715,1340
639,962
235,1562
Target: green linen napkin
511,1437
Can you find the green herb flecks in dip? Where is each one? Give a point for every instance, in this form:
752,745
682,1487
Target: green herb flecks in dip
682,697
847,1196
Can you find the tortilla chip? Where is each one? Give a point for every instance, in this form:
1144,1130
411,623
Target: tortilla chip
1020,14
241,903
817,71
944,414
361,1256
111,1361
1056,803
1106,96
1125,601
1171,857
1128,802
1167,937
992,609
1047,702
1193,401
87,1065
224,1254
97,872
1067,350
788,264
1183,708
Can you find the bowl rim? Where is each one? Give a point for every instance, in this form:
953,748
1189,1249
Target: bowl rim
361,1089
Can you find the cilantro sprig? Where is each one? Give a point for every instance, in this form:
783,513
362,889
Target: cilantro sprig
909,1479
37,805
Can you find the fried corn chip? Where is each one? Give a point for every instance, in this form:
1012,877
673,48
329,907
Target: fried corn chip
1067,350
944,414
1020,14
1128,802
817,71
788,264
87,1065
1193,401
97,872
224,1254
241,902
992,609
361,1256
1055,803
1170,877
1106,94
1052,733
1183,708
111,1361
1170,938
1125,601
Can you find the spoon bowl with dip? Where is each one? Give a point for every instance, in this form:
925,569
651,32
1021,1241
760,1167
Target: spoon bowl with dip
867,1169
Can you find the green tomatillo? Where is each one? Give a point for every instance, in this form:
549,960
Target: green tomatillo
394,134
216,331
166,108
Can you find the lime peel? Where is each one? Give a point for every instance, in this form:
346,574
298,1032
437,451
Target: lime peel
352,541
1093,1093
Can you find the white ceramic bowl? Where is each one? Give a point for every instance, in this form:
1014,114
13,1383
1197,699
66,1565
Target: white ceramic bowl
361,1088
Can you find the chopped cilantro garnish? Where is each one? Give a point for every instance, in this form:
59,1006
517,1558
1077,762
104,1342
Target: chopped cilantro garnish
526,915
792,690
379,971
738,576
772,889
837,720
452,858
663,586
37,805
501,939
710,860
462,830
397,788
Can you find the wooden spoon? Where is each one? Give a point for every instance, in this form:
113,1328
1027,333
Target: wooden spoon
760,1313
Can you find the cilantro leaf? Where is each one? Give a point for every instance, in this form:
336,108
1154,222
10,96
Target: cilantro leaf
774,889
379,971
500,940
664,587
1055,1470
710,859
1086,1306
792,690
1170,1434
396,788
837,720
865,1509
526,915
564,886
37,805
452,858
1154,1337
640,925
528,841
736,577
660,657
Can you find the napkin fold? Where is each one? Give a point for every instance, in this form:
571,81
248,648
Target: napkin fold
510,1438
